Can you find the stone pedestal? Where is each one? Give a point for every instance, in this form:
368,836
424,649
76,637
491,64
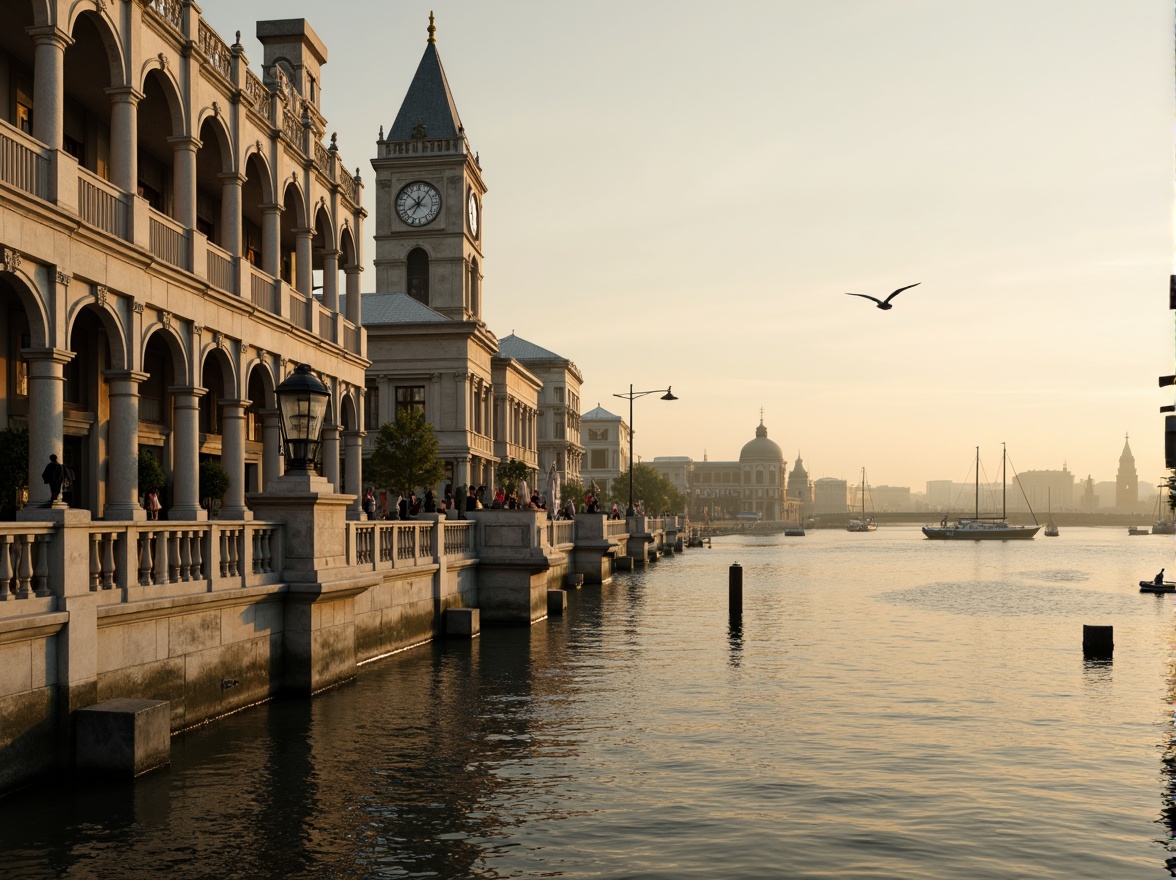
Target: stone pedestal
557,602
123,737
462,622
515,566
319,646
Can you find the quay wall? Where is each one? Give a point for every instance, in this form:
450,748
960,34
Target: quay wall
202,614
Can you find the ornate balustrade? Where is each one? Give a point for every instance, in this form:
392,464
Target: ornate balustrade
395,544
24,163
168,240
100,203
221,273
616,528
215,50
24,561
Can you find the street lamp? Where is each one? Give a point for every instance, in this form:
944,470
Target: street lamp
302,403
631,396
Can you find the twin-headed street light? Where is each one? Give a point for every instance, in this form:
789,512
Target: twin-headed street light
631,396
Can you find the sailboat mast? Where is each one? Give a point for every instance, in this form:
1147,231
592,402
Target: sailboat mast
1003,483
977,482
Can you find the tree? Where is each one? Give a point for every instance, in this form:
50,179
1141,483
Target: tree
405,457
574,492
14,470
214,482
151,475
510,472
658,493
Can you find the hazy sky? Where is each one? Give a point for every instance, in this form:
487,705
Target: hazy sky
681,192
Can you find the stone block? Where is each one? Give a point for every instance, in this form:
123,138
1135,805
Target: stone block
557,601
124,737
462,622
574,581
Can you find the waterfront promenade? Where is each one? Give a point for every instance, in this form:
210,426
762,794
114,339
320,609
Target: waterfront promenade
214,616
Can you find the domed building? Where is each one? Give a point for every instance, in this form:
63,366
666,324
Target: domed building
761,465
752,485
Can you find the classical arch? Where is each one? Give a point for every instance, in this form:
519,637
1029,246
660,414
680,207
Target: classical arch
91,14
121,357
175,349
24,288
349,410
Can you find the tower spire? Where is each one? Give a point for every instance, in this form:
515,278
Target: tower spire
432,28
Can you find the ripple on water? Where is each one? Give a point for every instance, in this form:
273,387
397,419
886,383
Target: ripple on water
1002,598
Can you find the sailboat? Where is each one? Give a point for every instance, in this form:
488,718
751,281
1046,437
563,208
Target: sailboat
864,523
977,528
1051,528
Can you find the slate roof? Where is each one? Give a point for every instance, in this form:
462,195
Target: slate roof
599,413
521,350
428,102
395,308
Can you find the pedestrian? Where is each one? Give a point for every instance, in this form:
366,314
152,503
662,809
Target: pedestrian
152,504
54,475
430,501
402,506
369,503
615,513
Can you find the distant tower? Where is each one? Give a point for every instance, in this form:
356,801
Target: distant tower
1127,480
799,488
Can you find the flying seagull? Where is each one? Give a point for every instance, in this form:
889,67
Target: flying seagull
885,303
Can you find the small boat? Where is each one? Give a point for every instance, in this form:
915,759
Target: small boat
863,523
1051,528
1163,525
794,532
1136,530
979,528
1153,587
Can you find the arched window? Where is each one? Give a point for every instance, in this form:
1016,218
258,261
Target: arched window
418,275
473,285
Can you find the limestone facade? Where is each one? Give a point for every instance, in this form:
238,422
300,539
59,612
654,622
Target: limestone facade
606,442
165,213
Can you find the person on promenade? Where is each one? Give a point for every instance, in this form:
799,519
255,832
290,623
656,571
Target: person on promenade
402,506
499,498
369,503
152,504
430,501
615,513
472,502
54,475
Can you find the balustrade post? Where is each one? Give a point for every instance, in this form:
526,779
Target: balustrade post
6,587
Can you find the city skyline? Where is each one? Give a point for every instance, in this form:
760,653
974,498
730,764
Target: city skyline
681,195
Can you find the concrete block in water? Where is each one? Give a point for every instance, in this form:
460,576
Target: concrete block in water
462,622
1098,641
574,581
123,736
557,601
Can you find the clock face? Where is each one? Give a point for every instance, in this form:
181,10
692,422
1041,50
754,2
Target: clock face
473,214
418,203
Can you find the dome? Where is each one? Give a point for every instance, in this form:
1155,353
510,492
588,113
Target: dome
761,448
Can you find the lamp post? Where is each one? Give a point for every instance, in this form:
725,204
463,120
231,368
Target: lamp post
302,402
631,396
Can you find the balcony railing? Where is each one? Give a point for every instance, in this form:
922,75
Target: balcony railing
220,269
298,309
101,204
261,289
22,162
326,324
168,240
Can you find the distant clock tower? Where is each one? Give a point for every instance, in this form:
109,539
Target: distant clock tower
429,193
1127,480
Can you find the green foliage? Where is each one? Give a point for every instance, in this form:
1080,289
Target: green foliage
510,472
405,457
14,469
214,481
658,493
151,474
573,492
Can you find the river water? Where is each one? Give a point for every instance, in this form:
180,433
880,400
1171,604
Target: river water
889,707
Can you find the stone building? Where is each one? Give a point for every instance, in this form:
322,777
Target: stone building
164,213
800,488
830,495
605,438
559,405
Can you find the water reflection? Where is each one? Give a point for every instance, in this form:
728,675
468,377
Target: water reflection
735,639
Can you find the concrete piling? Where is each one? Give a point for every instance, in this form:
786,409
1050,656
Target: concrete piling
735,589
1098,641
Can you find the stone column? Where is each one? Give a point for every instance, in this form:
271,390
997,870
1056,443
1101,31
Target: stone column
46,407
352,272
303,275
186,454
331,455
124,138
122,474
49,44
353,450
233,458
271,442
271,239
184,179
231,239
331,279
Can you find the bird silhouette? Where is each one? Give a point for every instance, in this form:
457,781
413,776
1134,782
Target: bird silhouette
885,303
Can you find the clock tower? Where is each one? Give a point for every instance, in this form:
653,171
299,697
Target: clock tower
429,193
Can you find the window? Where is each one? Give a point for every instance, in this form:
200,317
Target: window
418,275
598,459
410,397
559,394
371,408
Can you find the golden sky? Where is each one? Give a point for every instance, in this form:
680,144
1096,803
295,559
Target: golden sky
681,193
